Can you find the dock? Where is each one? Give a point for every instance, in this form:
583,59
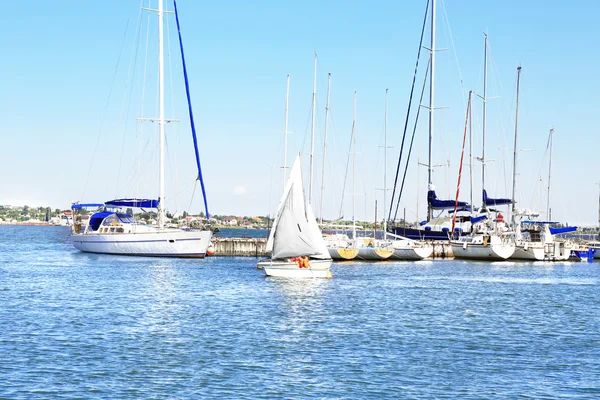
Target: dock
256,247
246,247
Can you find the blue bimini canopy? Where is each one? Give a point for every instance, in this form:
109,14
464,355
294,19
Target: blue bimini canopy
567,229
80,206
97,218
135,203
488,201
436,204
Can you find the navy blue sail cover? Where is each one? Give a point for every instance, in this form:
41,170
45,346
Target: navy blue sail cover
474,220
567,229
436,204
488,201
135,203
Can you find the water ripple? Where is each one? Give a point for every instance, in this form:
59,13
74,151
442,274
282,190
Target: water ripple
75,325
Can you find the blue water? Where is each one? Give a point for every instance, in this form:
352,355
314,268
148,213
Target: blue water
74,325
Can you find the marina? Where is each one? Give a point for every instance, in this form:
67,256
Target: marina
402,201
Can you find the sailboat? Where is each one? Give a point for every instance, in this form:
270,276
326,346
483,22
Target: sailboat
535,240
295,242
110,231
489,240
434,228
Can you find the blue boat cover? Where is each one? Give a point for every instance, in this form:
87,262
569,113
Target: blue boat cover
136,203
555,231
477,219
538,222
436,204
97,218
80,206
488,201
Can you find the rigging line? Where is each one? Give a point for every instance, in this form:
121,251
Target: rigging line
408,110
140,123
130,73
173,171
540,179
411,141
105,109
346,175
454,51
462,156
187,92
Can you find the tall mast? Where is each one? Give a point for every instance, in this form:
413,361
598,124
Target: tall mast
431,105
385,167
161,118
484,112
312,134
354,171
549,175
325,145
515,149
285,133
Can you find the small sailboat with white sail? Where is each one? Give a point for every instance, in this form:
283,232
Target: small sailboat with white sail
295,242
110,231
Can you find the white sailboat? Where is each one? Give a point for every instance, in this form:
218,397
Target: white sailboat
535,240
112,232
295,242
490,238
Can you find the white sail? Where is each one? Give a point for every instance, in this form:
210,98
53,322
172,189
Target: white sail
317,236
291,234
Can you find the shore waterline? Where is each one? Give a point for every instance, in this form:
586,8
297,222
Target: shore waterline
96,326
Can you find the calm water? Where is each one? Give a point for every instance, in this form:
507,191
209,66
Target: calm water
74,325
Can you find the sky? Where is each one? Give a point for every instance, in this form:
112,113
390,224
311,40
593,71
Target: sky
73,87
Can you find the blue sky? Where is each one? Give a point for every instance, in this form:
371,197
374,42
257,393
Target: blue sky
59,63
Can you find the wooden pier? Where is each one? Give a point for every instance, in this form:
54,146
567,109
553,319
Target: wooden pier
256,247
248,247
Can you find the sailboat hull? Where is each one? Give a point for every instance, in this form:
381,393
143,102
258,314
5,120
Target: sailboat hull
542,252
343,253
374,253
285,269
167,243
478,251
412,254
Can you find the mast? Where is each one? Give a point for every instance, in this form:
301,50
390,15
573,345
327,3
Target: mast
325,145
515,149
384,169
161,118
431,104
484,112
354,171
312,134
549,175
285,133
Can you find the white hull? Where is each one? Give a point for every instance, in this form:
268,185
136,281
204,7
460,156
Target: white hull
549,252
414,254
165,243
286,269
477,251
